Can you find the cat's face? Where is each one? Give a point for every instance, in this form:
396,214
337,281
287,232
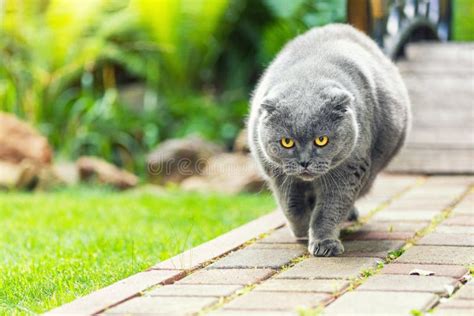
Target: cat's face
308,139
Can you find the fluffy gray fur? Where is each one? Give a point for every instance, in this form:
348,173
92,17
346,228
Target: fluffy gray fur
331,81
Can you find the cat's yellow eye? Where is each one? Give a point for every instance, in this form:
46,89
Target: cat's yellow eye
287,142
321,141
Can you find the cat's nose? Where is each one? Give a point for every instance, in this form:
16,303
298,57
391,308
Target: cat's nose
304,164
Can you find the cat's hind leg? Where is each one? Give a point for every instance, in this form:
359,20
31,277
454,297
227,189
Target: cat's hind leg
353,215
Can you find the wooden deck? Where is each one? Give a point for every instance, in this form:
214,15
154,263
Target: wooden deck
440,81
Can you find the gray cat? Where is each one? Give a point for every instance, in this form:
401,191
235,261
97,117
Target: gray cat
327,116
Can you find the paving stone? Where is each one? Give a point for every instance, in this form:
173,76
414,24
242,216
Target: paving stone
424,205
328,268
258,258
375,235
216,290
282,235
227,276
163,305
442,239
459,303
276,301
445,180
303,246
405,216
365,303
438,192
298,285
438,255
370,248
389,184
376,198
116,292
466,206
444,195
466,292
392,226
449,311
453,229
409,283
366,206
460,220
438,269
222,312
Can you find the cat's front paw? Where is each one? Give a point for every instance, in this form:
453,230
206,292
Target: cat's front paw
325,247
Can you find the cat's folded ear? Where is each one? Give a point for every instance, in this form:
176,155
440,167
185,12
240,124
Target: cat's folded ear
268,106
338,99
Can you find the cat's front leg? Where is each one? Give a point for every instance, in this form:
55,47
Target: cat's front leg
295,200
333,206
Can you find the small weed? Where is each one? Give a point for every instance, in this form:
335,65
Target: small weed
293,262
310,311
416,312
249,242
299,259
226,299
392,255
367,273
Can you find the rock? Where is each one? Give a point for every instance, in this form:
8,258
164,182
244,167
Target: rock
24,175
177,159
66,172
19,141
29,175
9,173
241,144
92,168
229,173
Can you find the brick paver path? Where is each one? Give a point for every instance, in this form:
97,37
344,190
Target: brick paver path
439,78
408,223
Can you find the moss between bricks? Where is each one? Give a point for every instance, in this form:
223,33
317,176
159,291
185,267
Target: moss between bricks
226,299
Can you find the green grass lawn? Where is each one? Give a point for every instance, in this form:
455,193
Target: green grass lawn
55,247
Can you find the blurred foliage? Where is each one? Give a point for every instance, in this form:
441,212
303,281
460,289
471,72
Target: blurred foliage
70,67
463,20
115,77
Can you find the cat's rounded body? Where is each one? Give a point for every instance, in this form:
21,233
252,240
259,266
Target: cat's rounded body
327,116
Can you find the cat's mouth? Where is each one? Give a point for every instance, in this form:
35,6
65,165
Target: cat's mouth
307,176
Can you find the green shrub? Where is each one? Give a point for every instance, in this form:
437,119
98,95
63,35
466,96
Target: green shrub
63,65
